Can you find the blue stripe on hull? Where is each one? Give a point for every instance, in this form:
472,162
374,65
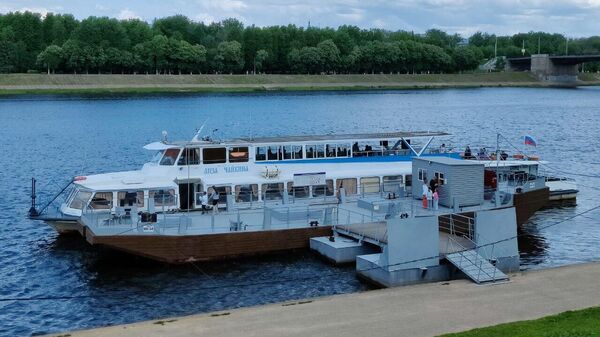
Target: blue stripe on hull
374,159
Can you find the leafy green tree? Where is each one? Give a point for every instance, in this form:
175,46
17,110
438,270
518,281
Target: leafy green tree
310,59
51,57
259,59
466,58
229,57
329,54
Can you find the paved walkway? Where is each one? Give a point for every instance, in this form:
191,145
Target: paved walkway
421,310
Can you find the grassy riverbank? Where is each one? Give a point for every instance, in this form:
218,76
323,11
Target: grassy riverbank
69,83
571,323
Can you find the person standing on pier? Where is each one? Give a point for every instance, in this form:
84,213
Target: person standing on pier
436,199
425,189
429,198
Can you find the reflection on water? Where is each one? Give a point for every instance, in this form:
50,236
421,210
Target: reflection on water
57,137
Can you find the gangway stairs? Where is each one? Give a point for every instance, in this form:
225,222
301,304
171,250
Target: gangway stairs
475,266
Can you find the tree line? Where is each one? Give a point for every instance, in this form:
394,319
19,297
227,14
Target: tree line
59,43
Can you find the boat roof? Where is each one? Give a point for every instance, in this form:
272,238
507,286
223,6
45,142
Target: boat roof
301,139
124,181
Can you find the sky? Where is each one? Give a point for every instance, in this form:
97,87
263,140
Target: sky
574,18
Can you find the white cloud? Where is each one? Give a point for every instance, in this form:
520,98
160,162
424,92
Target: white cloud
126,14
353,14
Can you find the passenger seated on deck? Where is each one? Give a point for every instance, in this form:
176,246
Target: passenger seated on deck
503,155
355,150
482,154
468,154
368,150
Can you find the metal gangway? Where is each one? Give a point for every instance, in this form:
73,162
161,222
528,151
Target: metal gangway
462,251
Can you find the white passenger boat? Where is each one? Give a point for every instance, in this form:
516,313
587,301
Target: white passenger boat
250,172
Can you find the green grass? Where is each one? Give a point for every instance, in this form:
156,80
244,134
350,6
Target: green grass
581,323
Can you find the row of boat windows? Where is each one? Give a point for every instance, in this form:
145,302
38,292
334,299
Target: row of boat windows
242,193
221,155
104,200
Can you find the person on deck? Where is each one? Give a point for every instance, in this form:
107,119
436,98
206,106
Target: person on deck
429,198
204,202
214,197
425,189
436,199
468,153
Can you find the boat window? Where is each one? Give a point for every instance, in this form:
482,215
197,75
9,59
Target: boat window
214,155
287,152
392,183
190,156
369,184
80,199
261,153
156,158
343,150
320,150
272,152
422,175
349,185
246,193
224,191
327,189
440,178
297,191
238,154
170,157
163,197
272,191
102,200
310,151
330,150
133,198
297,151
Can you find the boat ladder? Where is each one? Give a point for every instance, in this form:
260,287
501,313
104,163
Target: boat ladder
475,266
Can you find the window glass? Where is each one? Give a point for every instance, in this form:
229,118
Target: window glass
170,157
80,199
440,178
297,151
408,180
422,175
190,156
102,200
163,197
261,153
349,185
238,154
297,191
134,198
246,193
156,158
272,191
392,183
369,184
223,191
214,155
287,152
327,189
320,149
342,150
330,150
272,152
310,151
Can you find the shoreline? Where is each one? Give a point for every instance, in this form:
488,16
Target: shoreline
63,84
418,310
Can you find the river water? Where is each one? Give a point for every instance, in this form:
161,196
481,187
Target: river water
57,137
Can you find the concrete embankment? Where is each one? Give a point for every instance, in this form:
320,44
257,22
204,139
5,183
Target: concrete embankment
105,83
421,310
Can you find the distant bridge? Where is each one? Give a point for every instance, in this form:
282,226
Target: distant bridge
560,69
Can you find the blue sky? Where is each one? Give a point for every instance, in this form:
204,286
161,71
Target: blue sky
574,18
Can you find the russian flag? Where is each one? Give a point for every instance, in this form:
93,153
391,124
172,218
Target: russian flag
529,140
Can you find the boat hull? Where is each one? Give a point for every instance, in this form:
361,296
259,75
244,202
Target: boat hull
527,203
208,247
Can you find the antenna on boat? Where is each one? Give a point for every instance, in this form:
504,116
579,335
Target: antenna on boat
199,131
